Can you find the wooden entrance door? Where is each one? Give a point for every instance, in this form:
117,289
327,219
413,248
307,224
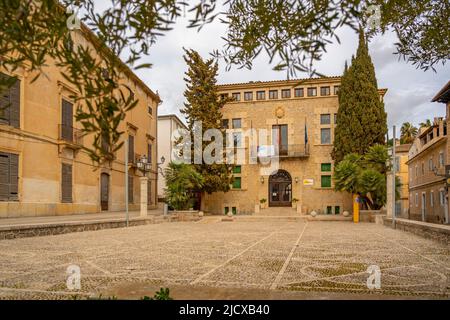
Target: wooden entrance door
104,191
280,189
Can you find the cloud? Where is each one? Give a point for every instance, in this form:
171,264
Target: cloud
408,98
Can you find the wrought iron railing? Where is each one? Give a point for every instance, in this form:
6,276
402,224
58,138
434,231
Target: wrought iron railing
70,134
282,151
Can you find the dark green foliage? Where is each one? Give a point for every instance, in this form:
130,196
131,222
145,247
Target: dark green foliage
203,104
182,181
365,176
361,119
162,294
293,33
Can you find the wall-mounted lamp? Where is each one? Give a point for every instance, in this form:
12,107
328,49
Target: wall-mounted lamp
261,179
296,179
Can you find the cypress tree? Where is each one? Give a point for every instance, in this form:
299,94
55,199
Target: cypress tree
361,119
203,104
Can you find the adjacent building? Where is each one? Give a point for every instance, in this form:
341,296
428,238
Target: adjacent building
427,184
299,118
168,125
43,168
402,174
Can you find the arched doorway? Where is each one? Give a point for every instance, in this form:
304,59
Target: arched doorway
280,189
104,191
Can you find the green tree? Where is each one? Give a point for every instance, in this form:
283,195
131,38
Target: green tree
407,133
294,34
361,119
426,124
203,105
365,176
182,180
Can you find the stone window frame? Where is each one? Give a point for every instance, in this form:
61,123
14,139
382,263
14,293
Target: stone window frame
312,90
432,198
299,92
236,96
248,96
416,199
322,142
325,91
441,159
261,95
336,90
442,197
273,94
323,117
322,181
285,93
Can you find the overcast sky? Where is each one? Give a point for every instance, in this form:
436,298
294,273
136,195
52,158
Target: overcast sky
408,98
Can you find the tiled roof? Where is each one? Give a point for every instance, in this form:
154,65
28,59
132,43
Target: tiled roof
280,81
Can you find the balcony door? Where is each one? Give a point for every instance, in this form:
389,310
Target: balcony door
67,120
280,139
104,191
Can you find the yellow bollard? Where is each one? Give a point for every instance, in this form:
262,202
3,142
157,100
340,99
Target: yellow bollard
355,209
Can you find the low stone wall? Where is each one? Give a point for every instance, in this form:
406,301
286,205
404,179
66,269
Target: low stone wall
23,231
437,232
369,215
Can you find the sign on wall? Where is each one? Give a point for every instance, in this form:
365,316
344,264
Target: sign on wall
308,182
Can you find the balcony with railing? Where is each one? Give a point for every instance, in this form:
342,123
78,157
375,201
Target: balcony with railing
70,136
282,151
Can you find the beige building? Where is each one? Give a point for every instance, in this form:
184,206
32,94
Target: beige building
401,171
299,117
168,125
426,163
43,169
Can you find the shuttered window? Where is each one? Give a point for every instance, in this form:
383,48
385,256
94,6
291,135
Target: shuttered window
10,103
67,121
9,176
149,192
130,189
66,183
131,149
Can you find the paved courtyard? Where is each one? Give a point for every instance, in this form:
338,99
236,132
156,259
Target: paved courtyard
268,255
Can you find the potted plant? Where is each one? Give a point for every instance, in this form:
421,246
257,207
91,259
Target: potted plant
294,203
263,203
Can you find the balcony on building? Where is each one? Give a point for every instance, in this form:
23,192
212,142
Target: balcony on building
70,137
289,151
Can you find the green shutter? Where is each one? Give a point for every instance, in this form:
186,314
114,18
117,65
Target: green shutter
325,167
237,169
326,181
337,210
236,182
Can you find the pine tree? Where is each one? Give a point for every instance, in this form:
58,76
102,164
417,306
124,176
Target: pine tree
203,104
361,119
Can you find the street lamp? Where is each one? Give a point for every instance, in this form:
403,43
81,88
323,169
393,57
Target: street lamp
143,165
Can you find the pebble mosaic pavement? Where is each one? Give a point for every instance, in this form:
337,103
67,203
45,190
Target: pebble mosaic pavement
274,255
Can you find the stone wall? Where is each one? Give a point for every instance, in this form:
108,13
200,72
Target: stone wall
24,231
369,215
437,232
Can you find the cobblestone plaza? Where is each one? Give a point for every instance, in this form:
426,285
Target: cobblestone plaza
267,254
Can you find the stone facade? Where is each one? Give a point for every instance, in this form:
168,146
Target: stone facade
401,171
427,190
308,108
35,154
